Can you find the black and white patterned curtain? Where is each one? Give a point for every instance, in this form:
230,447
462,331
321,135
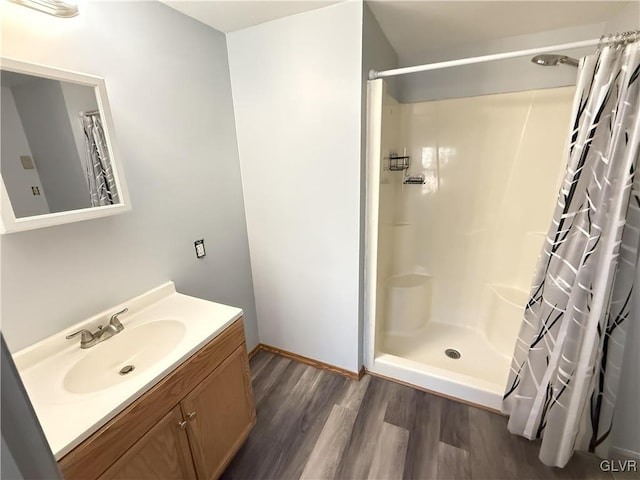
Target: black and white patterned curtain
102,185
566,366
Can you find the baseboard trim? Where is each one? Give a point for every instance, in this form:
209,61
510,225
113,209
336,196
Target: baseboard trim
358,376
255,350
432,392
623,454
308,361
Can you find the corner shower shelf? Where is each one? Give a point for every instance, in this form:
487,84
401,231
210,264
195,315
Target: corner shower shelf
415,179
398,163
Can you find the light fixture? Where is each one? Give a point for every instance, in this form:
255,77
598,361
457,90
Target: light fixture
57,8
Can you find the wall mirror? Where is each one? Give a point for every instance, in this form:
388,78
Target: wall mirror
58,162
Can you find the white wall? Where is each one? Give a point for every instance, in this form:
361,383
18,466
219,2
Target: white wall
626,19
168,83
494,77
17,179
296,90
626,431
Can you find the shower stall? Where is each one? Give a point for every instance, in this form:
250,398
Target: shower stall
460,196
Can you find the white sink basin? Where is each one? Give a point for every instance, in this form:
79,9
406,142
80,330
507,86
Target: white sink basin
140,347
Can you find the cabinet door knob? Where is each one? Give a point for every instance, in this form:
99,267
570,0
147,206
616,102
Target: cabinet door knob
182,424
191,416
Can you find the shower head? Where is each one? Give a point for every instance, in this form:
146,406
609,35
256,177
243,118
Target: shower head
554,60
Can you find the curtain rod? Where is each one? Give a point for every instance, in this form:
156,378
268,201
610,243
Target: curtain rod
373,74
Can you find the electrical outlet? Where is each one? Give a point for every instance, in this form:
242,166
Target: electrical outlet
200,252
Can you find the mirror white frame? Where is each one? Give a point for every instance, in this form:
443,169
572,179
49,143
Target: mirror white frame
9,223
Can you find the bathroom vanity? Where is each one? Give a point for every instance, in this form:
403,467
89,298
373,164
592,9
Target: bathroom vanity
188,426
182,411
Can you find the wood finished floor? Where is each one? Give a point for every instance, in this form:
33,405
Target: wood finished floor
313,424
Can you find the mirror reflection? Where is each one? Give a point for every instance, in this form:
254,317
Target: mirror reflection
54,155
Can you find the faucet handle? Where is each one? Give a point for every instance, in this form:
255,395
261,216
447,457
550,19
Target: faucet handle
86,337
115,321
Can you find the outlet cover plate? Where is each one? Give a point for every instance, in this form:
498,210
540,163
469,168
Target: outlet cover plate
200,251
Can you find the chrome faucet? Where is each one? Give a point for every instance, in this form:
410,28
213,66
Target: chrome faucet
88,339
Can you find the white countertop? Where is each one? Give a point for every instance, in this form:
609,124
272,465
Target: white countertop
68,418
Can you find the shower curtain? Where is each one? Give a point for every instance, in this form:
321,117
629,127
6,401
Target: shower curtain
102,185
566,365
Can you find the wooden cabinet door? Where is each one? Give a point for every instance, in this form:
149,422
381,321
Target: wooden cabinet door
161,454
220,415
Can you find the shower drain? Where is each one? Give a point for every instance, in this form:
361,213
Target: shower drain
452,353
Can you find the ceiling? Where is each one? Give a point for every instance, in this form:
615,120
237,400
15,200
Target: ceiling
231,15
412,25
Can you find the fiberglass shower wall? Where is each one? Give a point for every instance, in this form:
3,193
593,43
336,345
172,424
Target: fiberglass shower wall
461,248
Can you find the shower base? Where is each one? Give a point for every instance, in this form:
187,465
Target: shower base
479,376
